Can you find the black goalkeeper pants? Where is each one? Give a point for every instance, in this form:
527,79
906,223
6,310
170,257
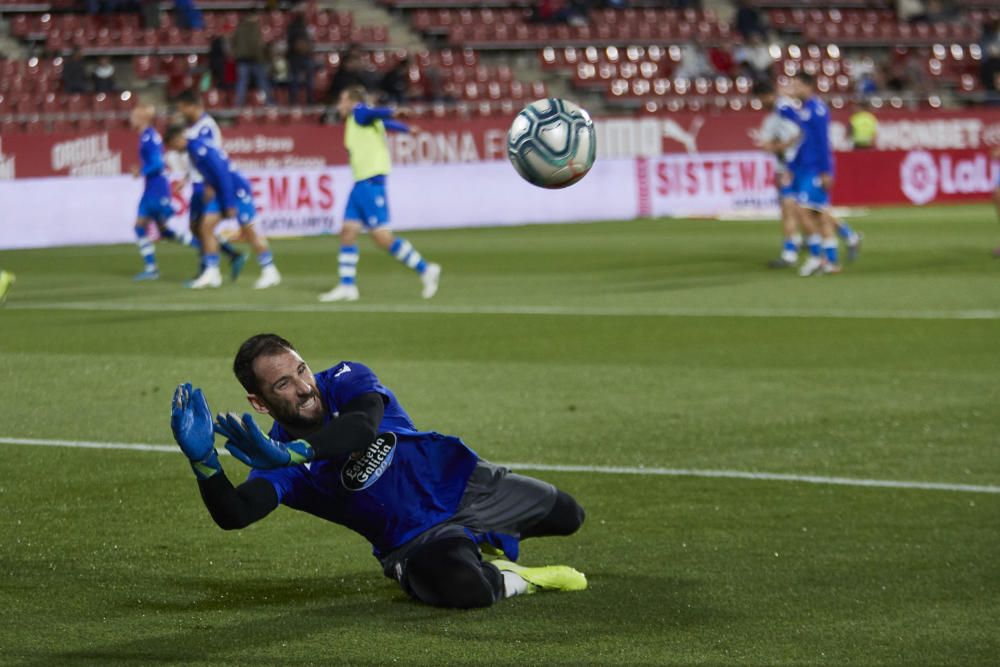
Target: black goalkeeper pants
450,572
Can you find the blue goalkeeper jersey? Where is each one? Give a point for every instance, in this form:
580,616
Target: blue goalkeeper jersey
405,482
212,163
151,165
814,155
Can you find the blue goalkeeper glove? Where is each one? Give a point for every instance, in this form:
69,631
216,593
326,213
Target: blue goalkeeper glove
249,444
191,422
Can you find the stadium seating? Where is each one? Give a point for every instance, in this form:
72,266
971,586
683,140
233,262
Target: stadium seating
630,56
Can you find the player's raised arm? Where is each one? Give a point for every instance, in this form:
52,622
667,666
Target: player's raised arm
231,507
352,431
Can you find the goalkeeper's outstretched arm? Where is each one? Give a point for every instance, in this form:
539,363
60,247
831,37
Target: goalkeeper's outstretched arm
237,507
231,507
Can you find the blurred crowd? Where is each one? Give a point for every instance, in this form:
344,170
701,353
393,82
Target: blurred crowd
244,61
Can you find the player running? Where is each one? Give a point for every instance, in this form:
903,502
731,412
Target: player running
343,449
367,207
226,192
780,137
202,126
155,206
6,282
812,170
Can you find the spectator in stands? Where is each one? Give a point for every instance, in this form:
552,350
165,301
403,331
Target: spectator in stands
395,83
350,73
754,58
748,21
941,10
694,63
221,63
989,66
301,65
278,65
149,14
74,74
104,76
911,10
251,58
188,15
722,60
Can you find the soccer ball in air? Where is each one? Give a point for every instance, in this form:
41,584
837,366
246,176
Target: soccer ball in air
551,143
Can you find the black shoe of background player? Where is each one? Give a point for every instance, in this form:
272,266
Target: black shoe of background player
780,264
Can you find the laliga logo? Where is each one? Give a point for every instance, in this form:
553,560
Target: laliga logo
918,177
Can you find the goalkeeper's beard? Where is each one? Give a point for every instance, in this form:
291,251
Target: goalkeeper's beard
290,414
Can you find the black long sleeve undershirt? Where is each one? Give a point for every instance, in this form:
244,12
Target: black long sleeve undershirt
237,507
352,431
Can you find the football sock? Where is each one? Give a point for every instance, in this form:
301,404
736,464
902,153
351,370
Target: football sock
228,249
831,248
845,232
348,264
815,243
790,249
407,254
211,261
513,584
146,248
265,258
184,238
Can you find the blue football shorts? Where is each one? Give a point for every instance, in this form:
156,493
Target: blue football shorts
809,192
245,209
155,208
367,204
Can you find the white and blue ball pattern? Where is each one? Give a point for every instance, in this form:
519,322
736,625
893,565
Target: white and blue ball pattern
551,143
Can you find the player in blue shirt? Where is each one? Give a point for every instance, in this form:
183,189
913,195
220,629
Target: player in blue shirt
812,171
202,126
227,193
365,129
343,449
155,206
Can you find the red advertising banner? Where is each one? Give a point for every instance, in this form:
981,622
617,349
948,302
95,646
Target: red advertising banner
914,177
920,156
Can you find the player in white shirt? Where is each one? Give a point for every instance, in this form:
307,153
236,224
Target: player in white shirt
781,137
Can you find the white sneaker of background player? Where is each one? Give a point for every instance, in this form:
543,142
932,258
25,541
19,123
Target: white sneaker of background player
430,278
269,277
341,293
210,277
810,266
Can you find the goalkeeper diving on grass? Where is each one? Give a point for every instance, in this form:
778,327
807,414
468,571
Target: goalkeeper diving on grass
343,449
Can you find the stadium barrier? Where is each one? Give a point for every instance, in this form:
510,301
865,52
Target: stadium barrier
455,175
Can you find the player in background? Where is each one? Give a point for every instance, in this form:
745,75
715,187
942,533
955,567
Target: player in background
781,136
812,170
365,130
155,204
226,193
202,126
6,282
343,449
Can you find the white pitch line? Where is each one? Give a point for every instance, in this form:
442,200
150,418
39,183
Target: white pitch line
602,470
573,311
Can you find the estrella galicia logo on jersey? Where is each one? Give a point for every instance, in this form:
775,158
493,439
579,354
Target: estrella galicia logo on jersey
362,471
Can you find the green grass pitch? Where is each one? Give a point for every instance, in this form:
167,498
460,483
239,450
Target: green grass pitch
646,343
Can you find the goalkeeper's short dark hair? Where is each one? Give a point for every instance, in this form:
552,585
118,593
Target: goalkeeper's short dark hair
261,345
